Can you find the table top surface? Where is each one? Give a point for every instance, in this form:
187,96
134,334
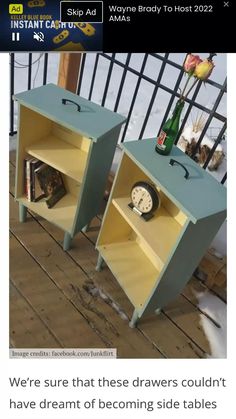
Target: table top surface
93,120
199,196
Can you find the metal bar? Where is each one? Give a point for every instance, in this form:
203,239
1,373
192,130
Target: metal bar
172,63
167,89
168,61
179,66
154,94
217,85
134,96
45,68
223,180
132,70
12,88
108,80
196,105
176,88
93,76
81,73
196,91
217,141
211,116
30,70
122,82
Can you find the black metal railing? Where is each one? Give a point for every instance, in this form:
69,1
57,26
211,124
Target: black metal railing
158,85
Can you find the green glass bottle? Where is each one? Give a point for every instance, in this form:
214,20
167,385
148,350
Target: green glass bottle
169,131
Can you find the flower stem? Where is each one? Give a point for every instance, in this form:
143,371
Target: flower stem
182,94
194,83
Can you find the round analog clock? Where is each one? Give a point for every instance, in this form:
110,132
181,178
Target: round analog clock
145,198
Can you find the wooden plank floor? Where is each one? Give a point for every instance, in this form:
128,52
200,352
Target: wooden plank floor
57,299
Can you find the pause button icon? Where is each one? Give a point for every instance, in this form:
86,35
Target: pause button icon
15,36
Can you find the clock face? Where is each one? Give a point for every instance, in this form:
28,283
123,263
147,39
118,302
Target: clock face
142,198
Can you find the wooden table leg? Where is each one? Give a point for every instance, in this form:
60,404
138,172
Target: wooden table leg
22,213
85,228
100,263
158,310
133,321
67,241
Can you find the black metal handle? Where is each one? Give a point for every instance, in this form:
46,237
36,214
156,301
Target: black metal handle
65,101
172,162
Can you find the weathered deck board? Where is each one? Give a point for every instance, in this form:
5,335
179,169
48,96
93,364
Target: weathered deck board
26,325
175,333
132,346
183,313
159,330
60,316
69,279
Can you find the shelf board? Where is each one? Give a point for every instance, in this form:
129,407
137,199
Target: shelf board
132,269
61,155
159,234
62,214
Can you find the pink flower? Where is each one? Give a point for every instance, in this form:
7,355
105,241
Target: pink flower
204,69
191,62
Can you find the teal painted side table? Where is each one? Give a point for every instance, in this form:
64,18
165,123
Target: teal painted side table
153,260
76,137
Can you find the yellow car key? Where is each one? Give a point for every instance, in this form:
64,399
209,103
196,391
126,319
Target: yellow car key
59,38
86,28
36,3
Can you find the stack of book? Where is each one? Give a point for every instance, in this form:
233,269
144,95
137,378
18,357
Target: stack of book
43,181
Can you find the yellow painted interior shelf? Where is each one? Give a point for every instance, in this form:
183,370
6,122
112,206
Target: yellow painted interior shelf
62,155
132,268
153,232
61,214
